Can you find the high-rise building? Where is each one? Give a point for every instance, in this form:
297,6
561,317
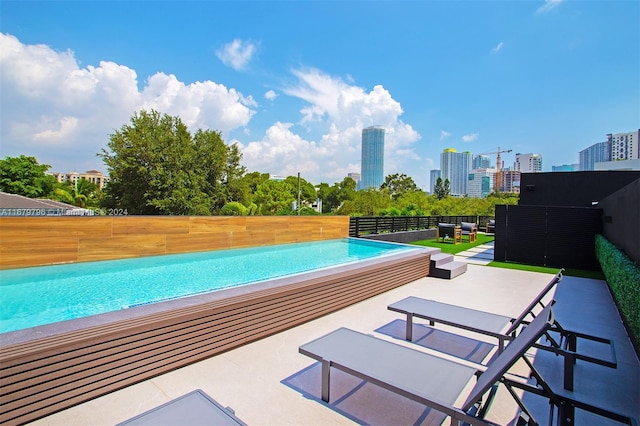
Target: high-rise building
528,163
481,182
372,172
624,146
433,177
481,162
596,153
456,166
355,177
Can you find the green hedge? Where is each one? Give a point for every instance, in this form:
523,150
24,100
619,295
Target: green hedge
623,277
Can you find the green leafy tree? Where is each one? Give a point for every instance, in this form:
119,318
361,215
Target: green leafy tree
23,175
442,189
398,185
83,194
307,190
368,202
333,196
157,167
233,208
274,197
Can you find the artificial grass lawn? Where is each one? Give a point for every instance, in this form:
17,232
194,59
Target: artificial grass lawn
581,273
450,248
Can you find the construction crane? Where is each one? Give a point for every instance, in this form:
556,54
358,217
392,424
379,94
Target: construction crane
498,165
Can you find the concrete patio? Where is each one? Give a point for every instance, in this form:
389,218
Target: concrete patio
269,383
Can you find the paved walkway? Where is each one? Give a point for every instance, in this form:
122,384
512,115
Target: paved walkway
479,255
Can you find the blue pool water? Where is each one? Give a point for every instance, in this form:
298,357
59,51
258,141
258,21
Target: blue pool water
42,295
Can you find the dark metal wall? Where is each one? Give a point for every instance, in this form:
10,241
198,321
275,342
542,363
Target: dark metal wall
572,189
562,237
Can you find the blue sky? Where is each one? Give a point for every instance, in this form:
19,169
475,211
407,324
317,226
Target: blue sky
293,83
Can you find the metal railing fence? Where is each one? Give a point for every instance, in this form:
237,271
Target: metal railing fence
365,225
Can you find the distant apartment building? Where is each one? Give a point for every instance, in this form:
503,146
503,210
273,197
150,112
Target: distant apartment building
596,153
617,147
456,167
481,182
93,176
481,162
566,168
528,163
624,146
372,172
433,178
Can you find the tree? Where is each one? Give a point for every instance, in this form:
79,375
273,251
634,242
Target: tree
274,197
157,167
333,196
23,175
367,202
399,185
81,194
233,208
307,191
442,189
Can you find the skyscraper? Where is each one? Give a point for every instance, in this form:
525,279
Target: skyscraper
481,162
456,166
433,175
372,173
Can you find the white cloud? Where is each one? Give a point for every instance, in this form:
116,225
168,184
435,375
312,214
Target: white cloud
548,6
237,54
62,113
470,138
336,112
270,95
61,130
498,47
49,103
444,134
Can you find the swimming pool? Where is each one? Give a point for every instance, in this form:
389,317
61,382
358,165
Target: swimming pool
45,295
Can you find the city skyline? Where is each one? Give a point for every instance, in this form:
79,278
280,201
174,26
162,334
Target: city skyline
294,83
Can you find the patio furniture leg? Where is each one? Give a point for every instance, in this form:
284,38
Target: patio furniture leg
569,361
326,382
566,414
409,329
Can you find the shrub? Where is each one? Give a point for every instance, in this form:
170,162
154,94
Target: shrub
233,209
623,276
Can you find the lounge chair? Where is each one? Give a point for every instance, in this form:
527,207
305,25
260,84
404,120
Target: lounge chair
194,408
504,328
490,227
469,229
449,231
437,382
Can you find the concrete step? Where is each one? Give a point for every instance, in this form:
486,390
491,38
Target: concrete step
440,259
448,270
